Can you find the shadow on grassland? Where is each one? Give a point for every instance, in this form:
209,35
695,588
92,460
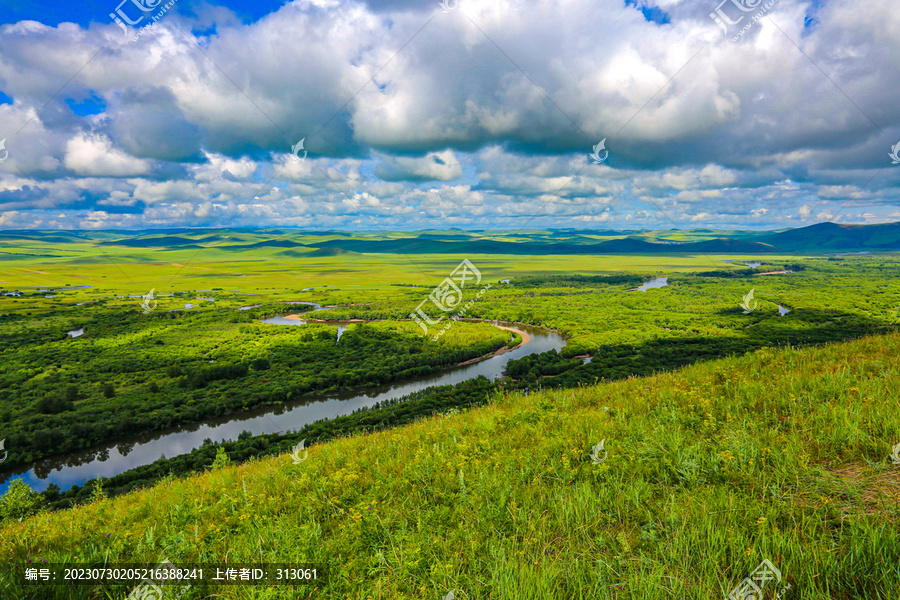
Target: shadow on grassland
808,327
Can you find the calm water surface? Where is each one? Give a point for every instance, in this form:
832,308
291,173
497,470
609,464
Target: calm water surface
656,282
114,458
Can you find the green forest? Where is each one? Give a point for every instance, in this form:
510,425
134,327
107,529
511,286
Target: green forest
131,373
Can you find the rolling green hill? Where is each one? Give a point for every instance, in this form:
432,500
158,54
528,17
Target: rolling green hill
707,471
834,237
823,237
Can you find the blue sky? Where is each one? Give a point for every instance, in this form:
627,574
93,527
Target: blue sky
737,114
85,12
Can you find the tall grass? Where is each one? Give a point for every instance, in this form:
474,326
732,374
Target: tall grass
779,455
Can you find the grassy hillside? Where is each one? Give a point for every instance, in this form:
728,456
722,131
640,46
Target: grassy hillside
172,247
778,455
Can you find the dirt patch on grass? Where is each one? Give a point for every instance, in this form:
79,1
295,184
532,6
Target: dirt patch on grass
874,491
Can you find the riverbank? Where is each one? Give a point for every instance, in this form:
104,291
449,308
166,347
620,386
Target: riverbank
299,317
122,454
523,334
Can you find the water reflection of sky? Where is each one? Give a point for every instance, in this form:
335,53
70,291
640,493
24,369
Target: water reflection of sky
656,282
114,458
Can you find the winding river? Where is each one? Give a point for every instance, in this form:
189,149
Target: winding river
115,457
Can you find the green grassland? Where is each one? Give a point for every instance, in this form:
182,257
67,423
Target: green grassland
778,455
732,436
132,372
272,261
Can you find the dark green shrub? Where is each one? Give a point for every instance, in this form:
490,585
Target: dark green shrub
19,501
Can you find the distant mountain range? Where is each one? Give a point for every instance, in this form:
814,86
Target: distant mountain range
824,237
815,239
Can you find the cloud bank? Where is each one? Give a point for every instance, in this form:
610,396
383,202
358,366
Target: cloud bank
481,116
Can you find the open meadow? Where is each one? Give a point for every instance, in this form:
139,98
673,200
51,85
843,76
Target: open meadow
738,428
